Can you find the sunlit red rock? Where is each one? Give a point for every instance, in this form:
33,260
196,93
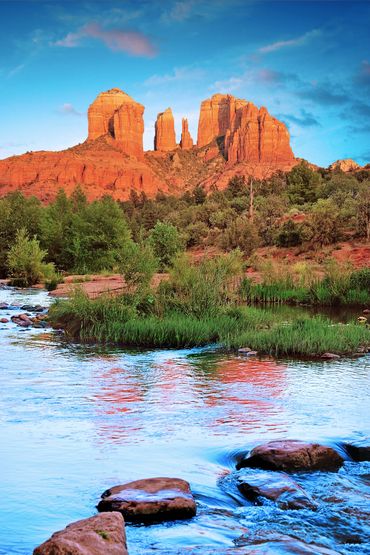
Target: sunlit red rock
258,137
217,115
116,114
235,139
345,165
186,140
165,137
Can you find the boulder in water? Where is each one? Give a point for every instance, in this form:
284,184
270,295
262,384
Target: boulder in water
150,500
292,455
103,533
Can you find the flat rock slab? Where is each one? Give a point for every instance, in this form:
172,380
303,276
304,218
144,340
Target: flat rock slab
98,535
276,486
285,545
292,455
150,500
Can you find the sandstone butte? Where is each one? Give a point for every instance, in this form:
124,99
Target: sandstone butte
186,140
165,136
234,137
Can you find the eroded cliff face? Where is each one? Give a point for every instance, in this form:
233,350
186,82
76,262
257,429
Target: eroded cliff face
234,138
217,115
257,137
115,114
165,137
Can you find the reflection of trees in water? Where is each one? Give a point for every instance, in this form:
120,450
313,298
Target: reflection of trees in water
208,391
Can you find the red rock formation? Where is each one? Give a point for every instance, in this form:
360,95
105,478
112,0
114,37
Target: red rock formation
345,165
257,137
217,114
116,114
112,161
186,140
165,137
99,166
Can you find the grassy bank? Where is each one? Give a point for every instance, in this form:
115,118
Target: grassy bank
111,320
331,284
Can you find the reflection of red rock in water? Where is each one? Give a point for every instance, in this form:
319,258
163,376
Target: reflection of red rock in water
253,384
118,391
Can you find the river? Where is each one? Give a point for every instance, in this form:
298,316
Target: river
76,420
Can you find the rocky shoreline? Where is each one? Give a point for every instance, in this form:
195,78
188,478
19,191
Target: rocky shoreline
265,474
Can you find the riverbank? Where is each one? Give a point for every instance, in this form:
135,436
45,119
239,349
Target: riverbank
115,320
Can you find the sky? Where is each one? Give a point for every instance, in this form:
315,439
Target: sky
308,62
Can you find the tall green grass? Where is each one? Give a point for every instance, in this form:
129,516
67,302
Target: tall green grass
112,320
333,284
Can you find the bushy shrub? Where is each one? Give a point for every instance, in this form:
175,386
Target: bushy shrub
25,261
166,243
289,234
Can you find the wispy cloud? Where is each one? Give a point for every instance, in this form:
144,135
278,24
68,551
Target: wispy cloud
326,94
132,42
305,119
178,74
182,10
264,76
67,109
298,41
15,70
362,78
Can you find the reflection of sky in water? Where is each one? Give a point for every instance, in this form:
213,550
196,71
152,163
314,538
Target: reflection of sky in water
76,420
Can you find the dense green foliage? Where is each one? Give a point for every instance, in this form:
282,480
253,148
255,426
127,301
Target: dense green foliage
25,262
304,208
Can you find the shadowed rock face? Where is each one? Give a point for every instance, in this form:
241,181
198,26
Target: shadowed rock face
292,455
151,500
104,533
165,137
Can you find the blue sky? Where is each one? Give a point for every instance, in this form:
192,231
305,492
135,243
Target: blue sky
308,62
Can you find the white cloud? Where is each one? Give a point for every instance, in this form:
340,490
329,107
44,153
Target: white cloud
299,41
69,110
178,74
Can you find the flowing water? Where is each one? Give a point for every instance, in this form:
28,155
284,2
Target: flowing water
76,420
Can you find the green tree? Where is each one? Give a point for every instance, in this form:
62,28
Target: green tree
323,226
242,234
303,184
289,234
166,243
363,214
25,261
16,211
137,264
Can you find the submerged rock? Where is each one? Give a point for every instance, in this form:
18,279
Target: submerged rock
150,500
22,320
98,535
330,356
280,544
4,320
276,486
292,455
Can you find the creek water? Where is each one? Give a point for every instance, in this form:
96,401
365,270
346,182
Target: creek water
76,420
